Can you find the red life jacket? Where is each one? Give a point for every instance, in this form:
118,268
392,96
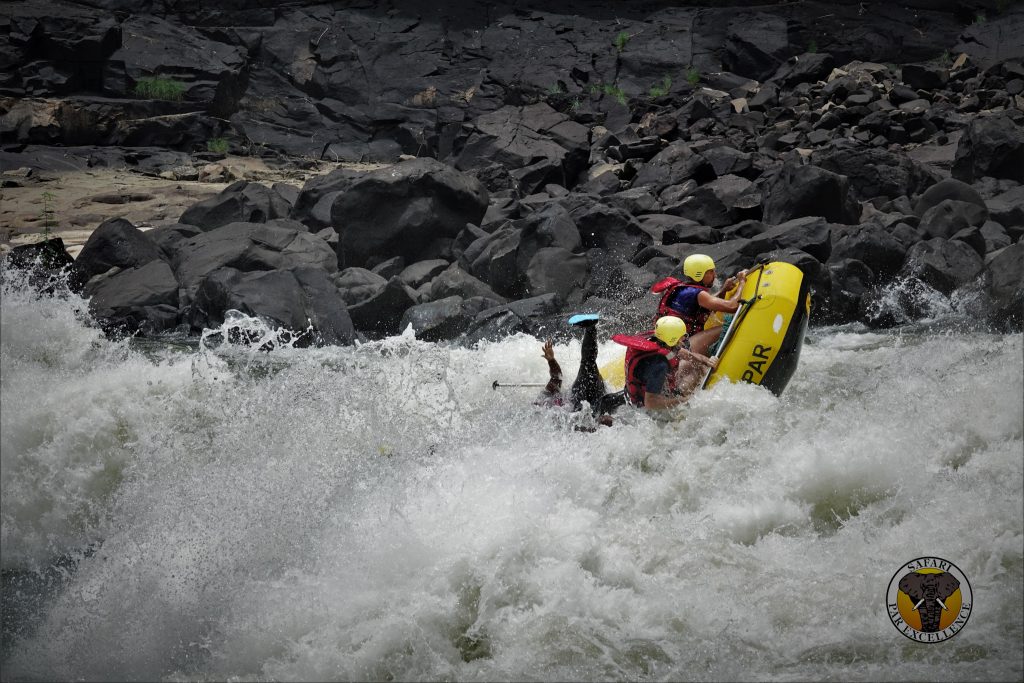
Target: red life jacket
639,347
694,320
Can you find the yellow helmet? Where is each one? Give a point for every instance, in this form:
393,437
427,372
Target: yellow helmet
669,329
696,265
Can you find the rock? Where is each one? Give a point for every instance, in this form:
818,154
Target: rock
948,188
50,267
991,146
605,227
1004,284
797,191
240,202
302,300
950,216
806,68
141,299
437,320
809,234
756,44
357,284
169,237
454,281
992,41
518,137
381,311
870,244
851,281
554,270
249,247
924,76
417,274
116,243
876,172
1007,209
672,166
942,264
405,210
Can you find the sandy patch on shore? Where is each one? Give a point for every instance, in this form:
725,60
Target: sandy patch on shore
80,200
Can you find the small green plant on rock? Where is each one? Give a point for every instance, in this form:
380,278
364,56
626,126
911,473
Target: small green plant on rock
621,41
692,76
158,88
47,215
980,18
217,145
812,46
661,89
616,92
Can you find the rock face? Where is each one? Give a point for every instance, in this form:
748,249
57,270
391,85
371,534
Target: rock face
564,157
413,208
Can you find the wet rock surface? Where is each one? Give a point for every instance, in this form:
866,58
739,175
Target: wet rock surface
534,161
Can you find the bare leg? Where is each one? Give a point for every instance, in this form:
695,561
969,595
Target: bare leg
689,377
700,341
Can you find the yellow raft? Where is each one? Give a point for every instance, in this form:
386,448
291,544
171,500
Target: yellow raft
762,345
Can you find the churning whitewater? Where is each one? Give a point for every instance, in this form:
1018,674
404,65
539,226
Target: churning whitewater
380,512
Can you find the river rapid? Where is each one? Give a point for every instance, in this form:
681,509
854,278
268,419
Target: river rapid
217,512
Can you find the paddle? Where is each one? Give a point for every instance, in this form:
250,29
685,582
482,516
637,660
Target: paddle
506,386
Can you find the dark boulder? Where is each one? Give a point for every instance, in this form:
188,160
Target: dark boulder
1007,209
991,146
48,264
673,165
420,273
454,281
756,45
1004,284
405,210
381,311
806,190
942,264
141,299
519,138
806,68
951,216
249,247
240,202
116,243
809,234
947,188
554,270
924,76
994,40
357,284
870,244
437,320
876,172
851,281
605,227
302,300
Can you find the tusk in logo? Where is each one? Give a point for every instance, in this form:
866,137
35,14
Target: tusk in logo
929,600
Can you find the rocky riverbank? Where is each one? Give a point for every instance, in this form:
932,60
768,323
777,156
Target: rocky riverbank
527,162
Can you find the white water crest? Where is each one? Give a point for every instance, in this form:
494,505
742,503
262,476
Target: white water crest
379,512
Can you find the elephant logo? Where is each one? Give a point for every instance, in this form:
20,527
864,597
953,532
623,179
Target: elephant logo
929,600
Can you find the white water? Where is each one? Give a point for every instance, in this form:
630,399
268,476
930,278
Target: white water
380,512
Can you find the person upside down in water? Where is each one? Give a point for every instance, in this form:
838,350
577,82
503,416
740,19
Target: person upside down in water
588,386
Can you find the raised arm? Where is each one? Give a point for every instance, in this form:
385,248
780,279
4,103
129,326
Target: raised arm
554,384
717,303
